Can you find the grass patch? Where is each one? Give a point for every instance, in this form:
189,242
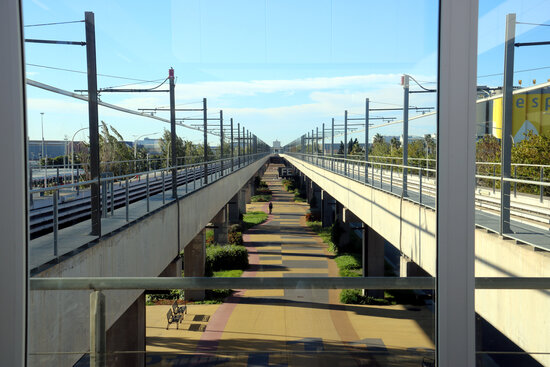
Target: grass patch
235,273
263,198
325,234
251,219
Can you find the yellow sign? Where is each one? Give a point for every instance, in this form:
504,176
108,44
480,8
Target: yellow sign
531,111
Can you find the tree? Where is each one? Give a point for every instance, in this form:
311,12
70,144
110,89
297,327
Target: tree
341,148
395,144
377,139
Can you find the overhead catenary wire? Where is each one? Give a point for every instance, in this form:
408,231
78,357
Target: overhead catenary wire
56,23
541,24
104,104
85,72
515,72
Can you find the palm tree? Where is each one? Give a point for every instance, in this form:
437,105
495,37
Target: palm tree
377,139
395,143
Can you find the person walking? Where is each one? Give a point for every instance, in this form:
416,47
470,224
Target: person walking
270,207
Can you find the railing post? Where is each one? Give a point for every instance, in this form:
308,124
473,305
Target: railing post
55,221
515,183
164,188
147,190
495,181
391,179
112,198
104,199
420,189
98,335
541,186
127,200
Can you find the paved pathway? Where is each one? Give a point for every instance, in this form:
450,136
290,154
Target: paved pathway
294,327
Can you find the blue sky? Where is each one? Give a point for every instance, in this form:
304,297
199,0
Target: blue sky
281,67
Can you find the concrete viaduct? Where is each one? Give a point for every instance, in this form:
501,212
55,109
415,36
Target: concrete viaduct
411,228
148,247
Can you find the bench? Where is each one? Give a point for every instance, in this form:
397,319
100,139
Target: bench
171,318
178,310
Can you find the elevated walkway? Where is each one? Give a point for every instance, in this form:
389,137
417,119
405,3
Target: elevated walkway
411,228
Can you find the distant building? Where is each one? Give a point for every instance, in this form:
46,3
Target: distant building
276,147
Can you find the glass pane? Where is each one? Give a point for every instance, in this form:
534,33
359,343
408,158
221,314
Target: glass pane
512,180
300,143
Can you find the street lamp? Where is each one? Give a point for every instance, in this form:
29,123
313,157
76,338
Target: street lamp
72,153
135,146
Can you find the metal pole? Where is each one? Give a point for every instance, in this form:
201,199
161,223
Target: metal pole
127,197
405,131
323,143
93,124
205,139
232,146
173,135
345,142
239,144
366,138
506,139
332,146
55,221
221,143
98,334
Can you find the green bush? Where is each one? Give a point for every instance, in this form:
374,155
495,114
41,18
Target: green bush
313,216
226,258
260,198
348,261
355,297
235,238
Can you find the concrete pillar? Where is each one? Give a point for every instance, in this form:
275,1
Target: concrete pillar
220,223
327,209
248,188
128,335
242,200
343,238
194,263
233,209
408,268
374,259
316,194
173,270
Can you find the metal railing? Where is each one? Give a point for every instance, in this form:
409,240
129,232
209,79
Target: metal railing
191,177
98,335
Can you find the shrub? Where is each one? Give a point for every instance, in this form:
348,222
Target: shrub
263,191
235,228
209,237
260,198
348,261
313,216
226,258
355,296
235,238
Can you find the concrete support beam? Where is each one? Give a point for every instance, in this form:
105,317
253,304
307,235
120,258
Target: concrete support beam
408,268
374,259
316,195
343,238
194,263
127,334
220,222
173,269
242,200
327,209
233,209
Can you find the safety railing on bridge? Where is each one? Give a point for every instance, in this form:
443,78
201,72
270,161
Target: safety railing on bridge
529,207
129,195
99,355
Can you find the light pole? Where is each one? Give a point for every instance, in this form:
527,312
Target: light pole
135,144
72,153
43,156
